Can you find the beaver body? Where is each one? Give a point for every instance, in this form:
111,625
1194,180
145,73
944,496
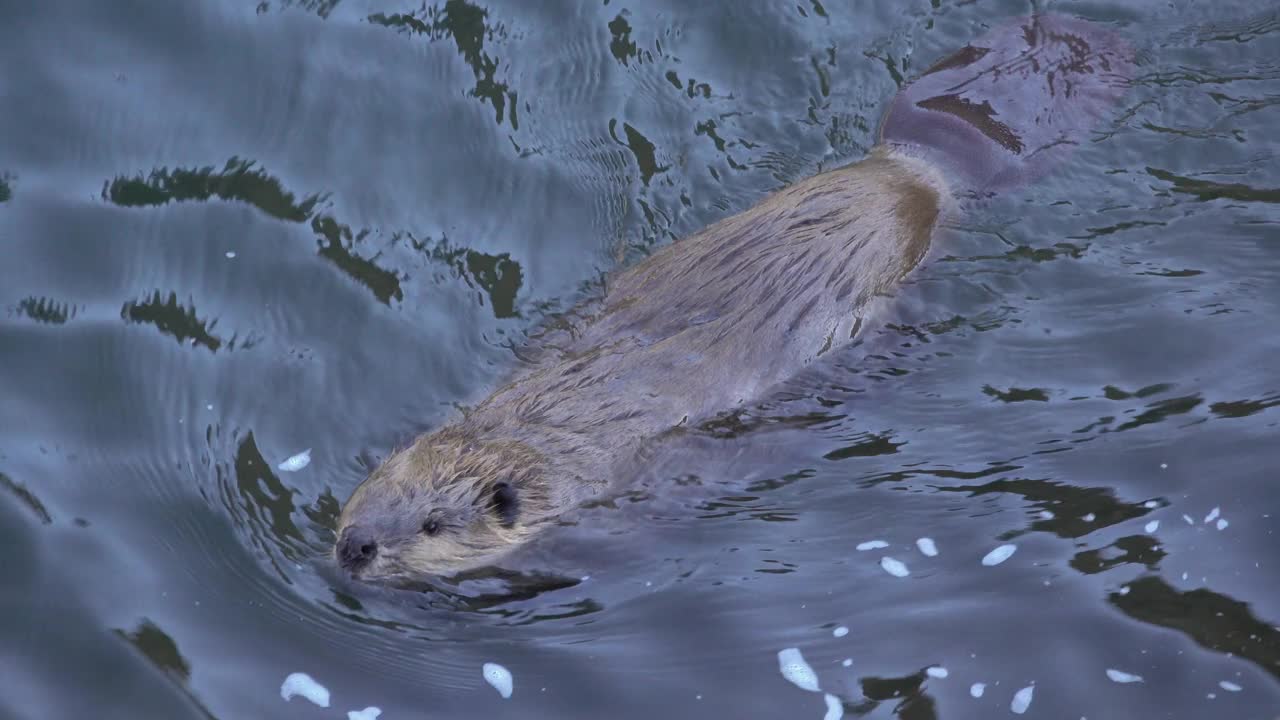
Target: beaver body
722,317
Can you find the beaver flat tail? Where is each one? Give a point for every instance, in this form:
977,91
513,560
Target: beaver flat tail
1009,106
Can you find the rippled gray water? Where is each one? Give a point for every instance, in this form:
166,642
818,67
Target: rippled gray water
232,231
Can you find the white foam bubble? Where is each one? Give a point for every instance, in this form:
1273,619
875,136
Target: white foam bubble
872,545
1090,517
999,555
1229,686
1022,699
1213,515
1151,504
1121,676
927,546
1189,519
847,662
895,568
296,462
1046,514
1222,523
499,677
977,689
835,708
840,631
230,254
937,672
795,669
369,713
1152,526
302,685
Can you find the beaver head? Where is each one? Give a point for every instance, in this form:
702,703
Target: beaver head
440,506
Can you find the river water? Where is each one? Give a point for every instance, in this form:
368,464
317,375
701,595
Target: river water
235,231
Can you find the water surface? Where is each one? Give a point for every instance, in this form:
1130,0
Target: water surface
236,230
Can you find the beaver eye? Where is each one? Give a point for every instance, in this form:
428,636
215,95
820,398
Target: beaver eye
505,504
430,527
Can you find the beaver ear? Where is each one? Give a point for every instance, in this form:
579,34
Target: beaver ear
506,504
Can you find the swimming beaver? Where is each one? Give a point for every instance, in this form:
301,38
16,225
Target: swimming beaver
720,318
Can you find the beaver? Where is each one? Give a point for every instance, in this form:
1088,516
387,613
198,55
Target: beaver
724,316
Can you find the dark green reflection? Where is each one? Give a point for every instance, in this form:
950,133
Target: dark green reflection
623,48
6,191
265,501
1211,619
172,319
1069,505
238,180
323,513
319,7
1153,413
995,468
1028,253
908,691
640,147
159,648
498,276
26,497
1206,190
739,423
1013,395
1162,410
1111,392
45,310
708,128
466,24
161,651
1244,408
384,284
868,445
1140,549
768,484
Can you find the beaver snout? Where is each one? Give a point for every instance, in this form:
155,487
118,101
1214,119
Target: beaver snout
356,549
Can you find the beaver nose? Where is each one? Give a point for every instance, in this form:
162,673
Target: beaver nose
356,549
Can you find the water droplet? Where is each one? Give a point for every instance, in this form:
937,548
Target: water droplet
499,677
795,669
894,567
999,555
1022,699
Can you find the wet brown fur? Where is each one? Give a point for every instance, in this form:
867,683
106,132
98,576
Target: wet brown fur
699,327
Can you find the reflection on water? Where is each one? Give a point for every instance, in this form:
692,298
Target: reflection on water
263,502
177,321
905,695
467,25
238,180
45,310
162,652
1064,510
1139,549
26,497
1212,620
498,277
330,225
1209,190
